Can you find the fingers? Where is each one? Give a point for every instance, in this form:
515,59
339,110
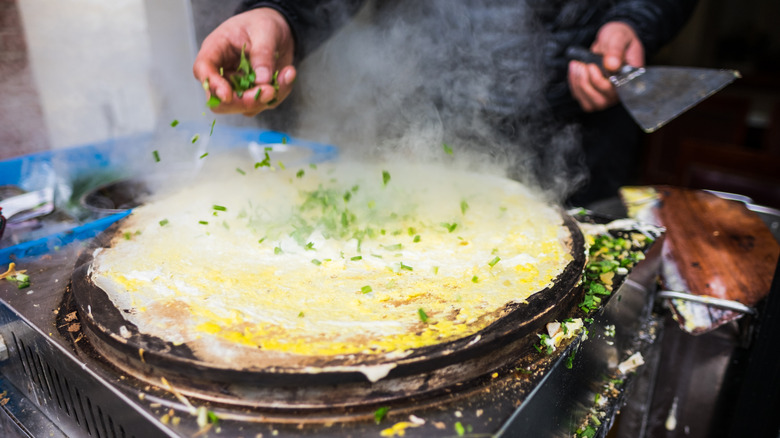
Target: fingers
619,44
589,87
267,41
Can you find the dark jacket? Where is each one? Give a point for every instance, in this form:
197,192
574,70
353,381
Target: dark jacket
516,51
564,23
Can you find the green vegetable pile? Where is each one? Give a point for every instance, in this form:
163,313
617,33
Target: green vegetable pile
244,76
609,256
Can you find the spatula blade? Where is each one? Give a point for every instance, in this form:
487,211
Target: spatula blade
660,94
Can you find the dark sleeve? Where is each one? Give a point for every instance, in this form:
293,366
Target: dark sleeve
656,22
311,21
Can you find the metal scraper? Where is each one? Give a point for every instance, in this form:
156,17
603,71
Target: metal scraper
657,94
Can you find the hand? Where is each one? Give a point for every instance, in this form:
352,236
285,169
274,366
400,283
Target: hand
269,47
618,44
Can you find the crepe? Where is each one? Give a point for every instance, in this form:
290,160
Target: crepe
333,259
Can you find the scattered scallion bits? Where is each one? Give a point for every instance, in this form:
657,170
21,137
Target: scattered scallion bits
356,258
475,279
203,222
219,208
238,169
316,262
206,154
213,102
195,138
495,260
174,123
385,177
380,414
423,316
464,206
164,222
277,250
366,289
156,156
300,174
406,267
447,148
212,127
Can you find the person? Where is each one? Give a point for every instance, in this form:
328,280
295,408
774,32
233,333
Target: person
279,33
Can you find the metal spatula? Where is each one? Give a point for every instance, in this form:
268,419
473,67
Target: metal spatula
655,95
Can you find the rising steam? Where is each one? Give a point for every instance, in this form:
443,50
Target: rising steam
402,79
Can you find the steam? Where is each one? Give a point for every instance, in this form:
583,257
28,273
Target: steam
402,79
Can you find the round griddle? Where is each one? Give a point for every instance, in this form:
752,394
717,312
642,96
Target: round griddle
324,381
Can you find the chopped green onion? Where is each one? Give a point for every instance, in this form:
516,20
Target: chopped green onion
435,270
300,174
396,247
447,148
277,250
164,222
261,240
195,138
212,127
366,289
450,227
385,177
380,414
316,262
495,260
406,267
356,258
281,165
464,206
238,169
219,208
284,140
459,429
213,102
204,155
174,123
423,316
127,235
300,314
416,238
309,246
213,418
475,279
313,166
203,222
156,156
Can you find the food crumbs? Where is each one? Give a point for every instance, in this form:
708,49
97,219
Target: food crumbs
398,429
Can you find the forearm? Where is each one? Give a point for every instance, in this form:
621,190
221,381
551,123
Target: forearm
311,21
655,22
